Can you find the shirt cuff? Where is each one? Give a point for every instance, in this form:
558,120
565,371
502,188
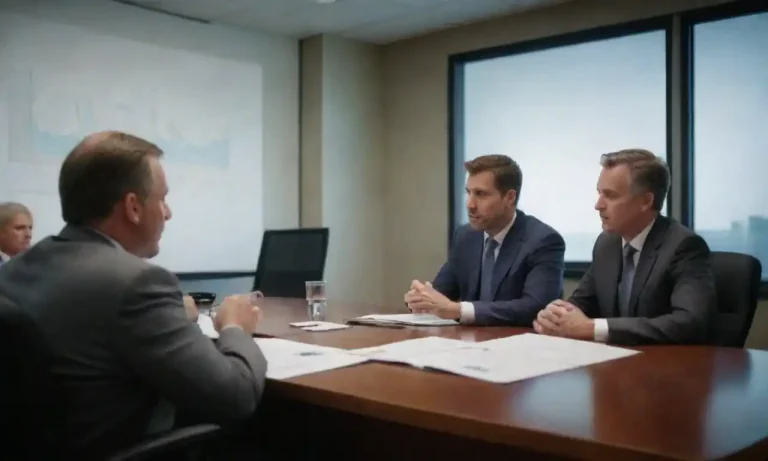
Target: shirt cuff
467,313
601,330
231,325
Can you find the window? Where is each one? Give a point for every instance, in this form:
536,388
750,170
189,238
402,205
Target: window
730,139
555,111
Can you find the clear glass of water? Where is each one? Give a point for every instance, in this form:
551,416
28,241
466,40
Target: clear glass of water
316,301
253,297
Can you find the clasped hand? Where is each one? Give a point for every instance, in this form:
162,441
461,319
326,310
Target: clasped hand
236,310
561,318
423,298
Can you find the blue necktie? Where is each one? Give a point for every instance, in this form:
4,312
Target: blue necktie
627,277
486,276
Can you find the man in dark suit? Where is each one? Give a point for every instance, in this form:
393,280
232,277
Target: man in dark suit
650,280
127,359
505,265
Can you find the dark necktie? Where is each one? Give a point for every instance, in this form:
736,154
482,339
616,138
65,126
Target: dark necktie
486,276
627,277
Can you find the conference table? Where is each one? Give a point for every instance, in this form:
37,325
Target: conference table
666,403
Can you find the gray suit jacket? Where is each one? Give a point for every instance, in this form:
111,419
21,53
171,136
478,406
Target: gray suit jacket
673,298
123,344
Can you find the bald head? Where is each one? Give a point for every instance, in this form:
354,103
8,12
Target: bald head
100,171
110,141
94,139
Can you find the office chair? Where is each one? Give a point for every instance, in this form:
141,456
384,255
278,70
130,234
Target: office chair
737,283
29,409
288,258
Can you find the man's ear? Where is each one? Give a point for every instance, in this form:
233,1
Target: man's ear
648,200
511,195
132,207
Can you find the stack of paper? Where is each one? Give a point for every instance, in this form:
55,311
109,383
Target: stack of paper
503,360
319,326
411,351
288,359
428,320
521,357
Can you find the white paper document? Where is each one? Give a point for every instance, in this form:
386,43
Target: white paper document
428,320
288,359
411,351
206,326
319,326
521,357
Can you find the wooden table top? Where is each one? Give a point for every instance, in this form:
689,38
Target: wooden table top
670,402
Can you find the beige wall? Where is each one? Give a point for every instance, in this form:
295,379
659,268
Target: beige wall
342,161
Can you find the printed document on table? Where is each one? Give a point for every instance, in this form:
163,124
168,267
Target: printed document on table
206,326
319,326
570,352
428,320
288,359
411,351
521,357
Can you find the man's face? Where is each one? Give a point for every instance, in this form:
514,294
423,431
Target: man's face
486,205
148,217
618,205
16,236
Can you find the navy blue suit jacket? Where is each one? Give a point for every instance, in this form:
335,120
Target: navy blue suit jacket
528,273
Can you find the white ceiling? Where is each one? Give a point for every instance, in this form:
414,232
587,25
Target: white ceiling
375,21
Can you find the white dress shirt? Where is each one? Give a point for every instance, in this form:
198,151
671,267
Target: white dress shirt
4,257
467,308
601,325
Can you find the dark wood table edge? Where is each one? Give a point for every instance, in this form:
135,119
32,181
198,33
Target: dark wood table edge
537,440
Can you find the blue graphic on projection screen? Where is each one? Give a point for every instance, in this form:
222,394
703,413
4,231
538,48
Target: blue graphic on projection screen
32,139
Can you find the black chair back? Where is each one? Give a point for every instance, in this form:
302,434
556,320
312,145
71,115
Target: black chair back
288,258
27,406
737,281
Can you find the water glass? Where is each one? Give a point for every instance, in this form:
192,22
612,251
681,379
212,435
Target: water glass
316,301
253,297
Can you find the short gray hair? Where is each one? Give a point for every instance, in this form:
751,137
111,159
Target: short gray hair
648,172
9,210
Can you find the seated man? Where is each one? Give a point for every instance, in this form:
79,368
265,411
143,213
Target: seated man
127,359
505,266
650,280
15,229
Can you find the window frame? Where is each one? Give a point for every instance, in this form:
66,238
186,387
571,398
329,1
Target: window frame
688,20
457,63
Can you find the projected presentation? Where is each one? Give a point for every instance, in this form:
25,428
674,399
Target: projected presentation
59,83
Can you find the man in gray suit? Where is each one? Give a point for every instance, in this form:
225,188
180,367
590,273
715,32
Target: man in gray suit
650,280
127,359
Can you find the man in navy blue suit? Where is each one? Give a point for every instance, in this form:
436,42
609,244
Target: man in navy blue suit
505,266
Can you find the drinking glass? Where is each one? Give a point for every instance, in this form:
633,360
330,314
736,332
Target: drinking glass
316,302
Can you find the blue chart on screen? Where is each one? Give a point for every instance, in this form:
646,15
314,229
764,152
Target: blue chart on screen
79,118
